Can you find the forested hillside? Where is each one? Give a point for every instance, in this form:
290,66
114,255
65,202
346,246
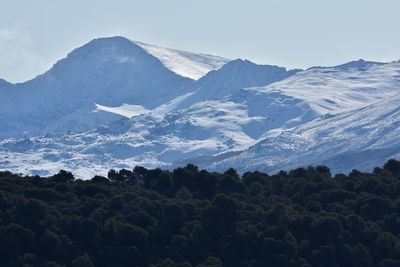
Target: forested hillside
190,217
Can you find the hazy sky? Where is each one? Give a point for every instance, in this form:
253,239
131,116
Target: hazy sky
34,34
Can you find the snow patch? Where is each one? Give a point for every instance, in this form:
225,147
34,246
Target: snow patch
125,110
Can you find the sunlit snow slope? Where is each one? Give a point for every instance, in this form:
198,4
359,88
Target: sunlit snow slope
185,63
359,139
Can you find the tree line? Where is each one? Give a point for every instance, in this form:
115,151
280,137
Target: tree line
190,217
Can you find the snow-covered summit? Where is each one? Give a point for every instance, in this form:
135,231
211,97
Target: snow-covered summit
185,63
233,76
361,63
239,74
106,71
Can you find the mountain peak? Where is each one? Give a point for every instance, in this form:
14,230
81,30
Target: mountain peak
183,63
249,66
108,48
239,62
106,71
235,75
110,39
258,75
357,64
361,63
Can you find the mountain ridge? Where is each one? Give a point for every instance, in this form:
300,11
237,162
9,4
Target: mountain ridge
184,63
106,71
113,104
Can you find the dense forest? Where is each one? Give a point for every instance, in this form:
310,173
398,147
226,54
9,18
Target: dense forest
190,217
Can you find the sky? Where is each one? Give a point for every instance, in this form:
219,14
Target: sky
288,33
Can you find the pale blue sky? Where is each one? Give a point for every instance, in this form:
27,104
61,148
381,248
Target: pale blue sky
290,33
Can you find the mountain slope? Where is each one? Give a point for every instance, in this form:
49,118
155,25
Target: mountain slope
106,71
230,78
361,138
4,84
185,63
334,90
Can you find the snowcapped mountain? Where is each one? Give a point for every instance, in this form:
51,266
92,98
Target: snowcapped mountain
106,71
353,122
116,103
232,77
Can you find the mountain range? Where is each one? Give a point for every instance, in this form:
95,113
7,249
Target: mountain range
117,103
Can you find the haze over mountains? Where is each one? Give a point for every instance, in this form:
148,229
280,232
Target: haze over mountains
116,103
